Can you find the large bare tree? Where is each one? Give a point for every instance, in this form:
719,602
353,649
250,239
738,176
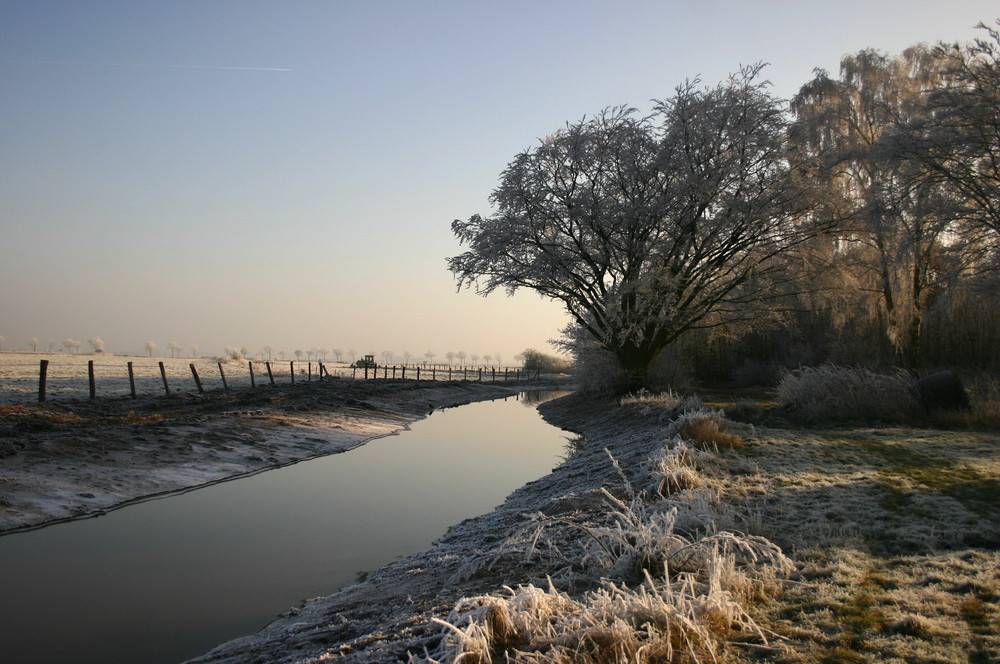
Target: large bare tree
645,227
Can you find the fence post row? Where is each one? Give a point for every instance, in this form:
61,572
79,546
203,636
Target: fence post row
507,375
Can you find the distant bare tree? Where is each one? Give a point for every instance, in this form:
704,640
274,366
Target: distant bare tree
282,353
150,347
496,356
321,353
175,349
269,349
430,355
461,355
298,354
386,356
97,344
407,356
69,344
487,358
34,344
339,354
353,355
52,345
451,357
475,359
194,351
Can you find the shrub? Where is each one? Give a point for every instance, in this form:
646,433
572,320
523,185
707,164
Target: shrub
537,361
849,393
706,426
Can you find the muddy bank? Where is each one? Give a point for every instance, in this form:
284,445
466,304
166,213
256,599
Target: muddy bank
71,459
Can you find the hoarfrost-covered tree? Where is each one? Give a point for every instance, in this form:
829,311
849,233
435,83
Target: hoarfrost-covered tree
175,349
429,356
450,356
69,344
645,228
34,344
269,349
339,354
97,344
194,351
959,138
150,347
298,354
892,216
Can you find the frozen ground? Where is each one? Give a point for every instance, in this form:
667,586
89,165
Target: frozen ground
893,532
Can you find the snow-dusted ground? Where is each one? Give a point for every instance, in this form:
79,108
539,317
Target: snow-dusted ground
64,459
895,526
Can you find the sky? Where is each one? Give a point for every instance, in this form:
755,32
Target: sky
248,173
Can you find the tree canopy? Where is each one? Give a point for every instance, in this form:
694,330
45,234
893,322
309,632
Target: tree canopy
646,227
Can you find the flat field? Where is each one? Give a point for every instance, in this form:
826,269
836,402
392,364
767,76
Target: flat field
67,375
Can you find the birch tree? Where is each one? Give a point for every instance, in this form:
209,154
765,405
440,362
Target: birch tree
891,215
645,227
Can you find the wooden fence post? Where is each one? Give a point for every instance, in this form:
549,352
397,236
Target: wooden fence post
310,375
269,374
131,380
197,380
291,370
163,375
418,373
43,372
434,373
90,379
253,383
225,385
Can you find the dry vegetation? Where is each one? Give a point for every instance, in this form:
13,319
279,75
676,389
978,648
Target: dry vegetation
781,545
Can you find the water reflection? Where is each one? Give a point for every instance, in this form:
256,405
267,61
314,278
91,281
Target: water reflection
166,580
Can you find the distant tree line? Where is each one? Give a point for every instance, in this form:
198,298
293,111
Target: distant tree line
731,234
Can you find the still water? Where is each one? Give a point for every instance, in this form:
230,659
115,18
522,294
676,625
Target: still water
166,580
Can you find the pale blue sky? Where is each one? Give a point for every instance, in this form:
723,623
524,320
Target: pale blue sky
163,177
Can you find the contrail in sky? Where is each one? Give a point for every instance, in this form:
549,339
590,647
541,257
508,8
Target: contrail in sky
146,66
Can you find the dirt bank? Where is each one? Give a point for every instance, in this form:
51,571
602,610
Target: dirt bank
70,459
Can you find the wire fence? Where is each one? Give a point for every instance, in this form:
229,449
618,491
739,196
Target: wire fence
24,378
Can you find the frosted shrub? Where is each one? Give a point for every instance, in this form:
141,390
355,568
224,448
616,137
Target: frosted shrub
707,426
668,403
832,392
670,618
674,468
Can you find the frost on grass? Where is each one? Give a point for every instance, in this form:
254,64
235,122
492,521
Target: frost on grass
670,584
707,427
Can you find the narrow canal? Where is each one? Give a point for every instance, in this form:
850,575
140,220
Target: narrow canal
166,580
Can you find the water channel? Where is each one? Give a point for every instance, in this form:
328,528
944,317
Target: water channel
166,580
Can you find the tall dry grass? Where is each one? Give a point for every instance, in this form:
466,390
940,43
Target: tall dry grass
849,393
672,586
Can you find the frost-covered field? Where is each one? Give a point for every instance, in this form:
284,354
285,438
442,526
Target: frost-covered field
67,375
